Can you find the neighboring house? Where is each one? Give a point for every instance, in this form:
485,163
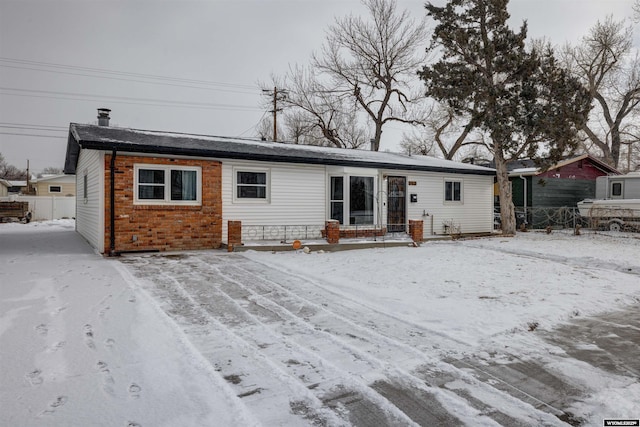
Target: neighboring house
4,187
562,185
148,190
20,187
56,185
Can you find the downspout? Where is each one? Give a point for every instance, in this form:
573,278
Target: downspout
525,199
112,207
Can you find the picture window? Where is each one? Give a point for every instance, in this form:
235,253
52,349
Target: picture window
167,185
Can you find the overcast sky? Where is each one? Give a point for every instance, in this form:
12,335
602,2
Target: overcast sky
61,60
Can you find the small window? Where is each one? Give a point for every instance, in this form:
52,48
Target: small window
55,189
616,189
183,185
251,185
85,186
453,191
167,185
337,198
151,184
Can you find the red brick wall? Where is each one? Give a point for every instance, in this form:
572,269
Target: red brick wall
163,227
332,231
416,230
234,235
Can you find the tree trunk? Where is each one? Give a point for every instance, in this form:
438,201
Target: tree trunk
507,211
615,146
377,137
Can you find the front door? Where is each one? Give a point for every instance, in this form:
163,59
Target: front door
397,203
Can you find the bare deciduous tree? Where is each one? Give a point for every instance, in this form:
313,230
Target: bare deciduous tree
447,131
51,170
11,172
321,114
374,61
607,68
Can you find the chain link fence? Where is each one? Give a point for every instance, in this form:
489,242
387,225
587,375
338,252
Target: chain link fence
570,218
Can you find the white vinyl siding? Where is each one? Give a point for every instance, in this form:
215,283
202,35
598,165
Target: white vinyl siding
296,195
474,215
90,210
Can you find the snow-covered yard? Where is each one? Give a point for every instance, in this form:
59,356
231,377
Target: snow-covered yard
478,332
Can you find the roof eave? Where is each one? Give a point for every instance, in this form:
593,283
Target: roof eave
155,149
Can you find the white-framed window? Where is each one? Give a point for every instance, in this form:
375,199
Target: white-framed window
453,191
352,199
167,185
336,196
55,189
251,185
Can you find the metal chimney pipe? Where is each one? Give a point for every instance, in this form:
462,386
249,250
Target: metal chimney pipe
103,116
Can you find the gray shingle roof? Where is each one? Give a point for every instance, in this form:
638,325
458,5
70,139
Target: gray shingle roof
180,144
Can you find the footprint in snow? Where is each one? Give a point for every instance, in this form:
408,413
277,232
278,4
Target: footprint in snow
107,379
104,311
109,342
58,310
60,401
56,346
42,329
134,390
34,377
88,336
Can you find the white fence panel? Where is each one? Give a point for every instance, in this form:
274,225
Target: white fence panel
47,207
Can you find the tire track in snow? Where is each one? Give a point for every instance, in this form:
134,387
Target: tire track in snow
412,335
410,339
307,348
322,340
257,380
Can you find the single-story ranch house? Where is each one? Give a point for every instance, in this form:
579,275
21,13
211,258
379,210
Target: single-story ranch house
143,190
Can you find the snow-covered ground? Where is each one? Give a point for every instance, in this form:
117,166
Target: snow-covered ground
209,338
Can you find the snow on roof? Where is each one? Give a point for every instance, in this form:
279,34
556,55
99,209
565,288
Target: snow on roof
146,141
524,171
61,177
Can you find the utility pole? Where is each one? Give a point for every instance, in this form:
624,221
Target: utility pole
28,183
278,95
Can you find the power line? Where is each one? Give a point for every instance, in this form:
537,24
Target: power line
253,126
126,73
135,81
36,127
30,134
124,100
32,124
